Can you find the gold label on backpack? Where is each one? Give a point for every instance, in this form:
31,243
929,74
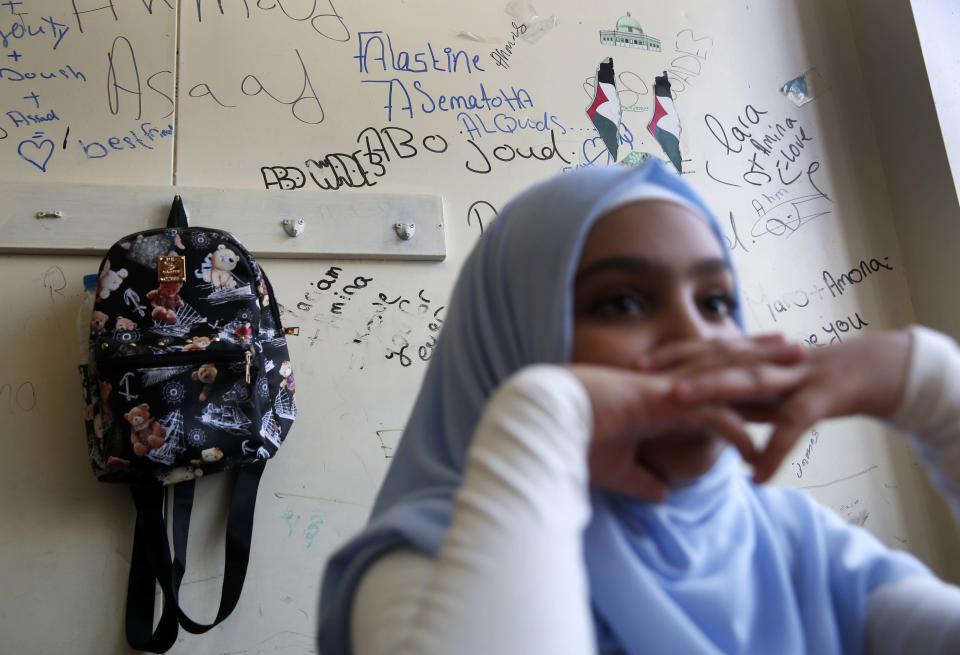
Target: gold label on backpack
171,268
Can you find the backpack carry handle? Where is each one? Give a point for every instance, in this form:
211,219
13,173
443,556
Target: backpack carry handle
178,216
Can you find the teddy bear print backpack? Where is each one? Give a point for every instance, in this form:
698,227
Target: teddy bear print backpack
188,375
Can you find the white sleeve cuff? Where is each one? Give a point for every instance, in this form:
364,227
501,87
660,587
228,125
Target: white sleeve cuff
916,615
929,409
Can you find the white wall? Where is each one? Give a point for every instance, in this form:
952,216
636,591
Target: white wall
65,539
938,26
921,187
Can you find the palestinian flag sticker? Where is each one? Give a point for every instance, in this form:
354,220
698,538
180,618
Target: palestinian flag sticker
665,124
604,111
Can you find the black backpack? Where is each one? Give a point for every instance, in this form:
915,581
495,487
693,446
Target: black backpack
188,375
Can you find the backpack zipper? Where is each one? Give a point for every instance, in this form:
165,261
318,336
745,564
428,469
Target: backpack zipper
175,359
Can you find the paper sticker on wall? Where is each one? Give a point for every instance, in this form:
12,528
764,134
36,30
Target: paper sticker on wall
470,36
665,124
803,89
636,158
604,112
629,34
526,14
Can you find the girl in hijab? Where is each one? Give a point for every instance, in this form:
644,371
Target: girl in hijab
571,478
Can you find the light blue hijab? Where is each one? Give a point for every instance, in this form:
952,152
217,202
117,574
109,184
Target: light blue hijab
722,567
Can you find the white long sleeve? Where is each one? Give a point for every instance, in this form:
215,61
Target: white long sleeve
929,409
510,576
511,552
915,615
922,615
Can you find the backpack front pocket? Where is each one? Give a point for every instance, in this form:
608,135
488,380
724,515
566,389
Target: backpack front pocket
175,416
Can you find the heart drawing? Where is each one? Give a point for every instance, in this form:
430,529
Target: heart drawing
38,154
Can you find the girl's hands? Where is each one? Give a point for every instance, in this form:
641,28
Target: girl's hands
713,387
630,407
861,376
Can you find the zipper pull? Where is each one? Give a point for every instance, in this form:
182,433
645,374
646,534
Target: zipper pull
248,355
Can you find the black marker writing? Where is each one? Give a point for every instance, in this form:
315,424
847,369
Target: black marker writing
23,398
77,11
479,208
507,153
115,81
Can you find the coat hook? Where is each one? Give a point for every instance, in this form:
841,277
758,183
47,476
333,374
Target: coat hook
294,227
405,230
48,214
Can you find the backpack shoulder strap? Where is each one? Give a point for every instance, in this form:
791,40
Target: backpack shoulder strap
237,546
147,558
151,561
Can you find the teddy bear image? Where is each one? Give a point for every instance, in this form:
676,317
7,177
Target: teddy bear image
165,300
211,455
286,372
105,389
263,291
124,324
117,463
98,428
243,332
206,374
197,343
182,474
98,323
218,268
144,250
109,281
146,433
